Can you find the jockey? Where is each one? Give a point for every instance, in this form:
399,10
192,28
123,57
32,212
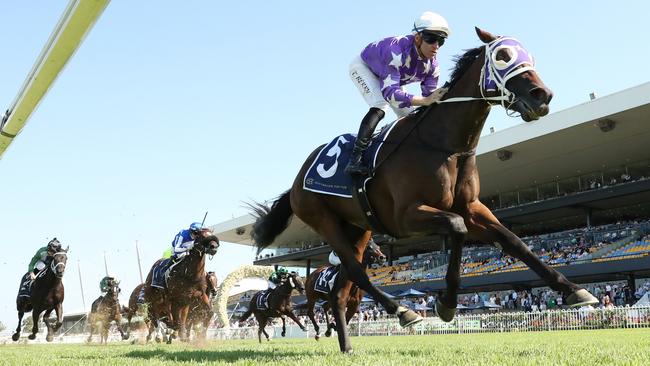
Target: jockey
107,282
385,66
277,277
184,241
42,257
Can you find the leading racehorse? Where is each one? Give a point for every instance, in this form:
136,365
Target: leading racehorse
47,294
186,282
426,180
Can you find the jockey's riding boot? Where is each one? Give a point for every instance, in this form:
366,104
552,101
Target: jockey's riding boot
368,125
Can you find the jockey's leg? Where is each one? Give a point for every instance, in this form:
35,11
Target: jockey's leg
364,136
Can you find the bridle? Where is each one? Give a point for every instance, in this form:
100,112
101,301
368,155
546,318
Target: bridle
496,73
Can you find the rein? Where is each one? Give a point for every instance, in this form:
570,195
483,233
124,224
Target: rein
494,76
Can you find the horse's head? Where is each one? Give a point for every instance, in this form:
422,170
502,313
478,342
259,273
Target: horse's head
294,282
510,70
58,263
114,291
373,254
211,278
206,242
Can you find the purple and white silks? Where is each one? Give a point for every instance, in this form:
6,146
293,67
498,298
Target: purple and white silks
396,62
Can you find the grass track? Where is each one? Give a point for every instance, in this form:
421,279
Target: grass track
598,347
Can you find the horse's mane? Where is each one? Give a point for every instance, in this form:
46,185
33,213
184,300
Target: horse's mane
462,64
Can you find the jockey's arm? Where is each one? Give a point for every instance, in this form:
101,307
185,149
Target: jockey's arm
37,257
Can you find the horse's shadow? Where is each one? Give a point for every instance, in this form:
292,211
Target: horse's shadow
206,355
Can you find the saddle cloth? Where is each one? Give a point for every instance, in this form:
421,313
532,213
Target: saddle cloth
161,273
326,279
263,300
25,289
327,173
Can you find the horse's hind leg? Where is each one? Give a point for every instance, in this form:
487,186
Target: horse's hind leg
346,240
485,227
338,310
16,335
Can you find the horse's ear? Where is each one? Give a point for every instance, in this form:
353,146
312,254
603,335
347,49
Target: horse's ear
484,36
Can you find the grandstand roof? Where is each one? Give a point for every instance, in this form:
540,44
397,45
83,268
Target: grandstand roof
564,144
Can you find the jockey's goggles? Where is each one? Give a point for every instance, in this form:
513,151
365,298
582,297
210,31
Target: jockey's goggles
432,38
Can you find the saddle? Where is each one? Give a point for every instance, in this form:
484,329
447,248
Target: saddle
161,273
262,302
25,288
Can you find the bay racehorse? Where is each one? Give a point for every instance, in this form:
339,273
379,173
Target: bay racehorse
47,294
200,313
426,180
105,310
186,282
343,293
135,308
278,304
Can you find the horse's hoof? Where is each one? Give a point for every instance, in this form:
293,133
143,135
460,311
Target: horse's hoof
328,333
349,351
407,317
445,313
304,329
49,338
31,336
15,337
158,339
316,337
581,297
283,334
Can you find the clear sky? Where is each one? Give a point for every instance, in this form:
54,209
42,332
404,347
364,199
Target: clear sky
170,109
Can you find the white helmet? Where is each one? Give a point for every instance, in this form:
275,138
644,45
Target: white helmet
334,259
432,22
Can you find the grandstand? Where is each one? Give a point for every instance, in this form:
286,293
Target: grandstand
575,185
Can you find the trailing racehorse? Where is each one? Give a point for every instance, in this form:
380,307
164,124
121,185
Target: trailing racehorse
200,314
105,310
426,181
273,303
186,283
47,294
343,292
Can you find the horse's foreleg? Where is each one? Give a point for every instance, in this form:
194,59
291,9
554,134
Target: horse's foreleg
36,315
48,324
483,225
58,308
182,322
310,313
420,219
284,326
118,322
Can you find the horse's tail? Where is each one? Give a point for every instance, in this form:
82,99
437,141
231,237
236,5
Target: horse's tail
245,315
270,221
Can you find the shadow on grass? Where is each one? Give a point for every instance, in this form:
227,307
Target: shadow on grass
204,355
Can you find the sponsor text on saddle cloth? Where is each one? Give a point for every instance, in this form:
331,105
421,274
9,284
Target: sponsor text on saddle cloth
160,274
263,300
326,279
326,174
